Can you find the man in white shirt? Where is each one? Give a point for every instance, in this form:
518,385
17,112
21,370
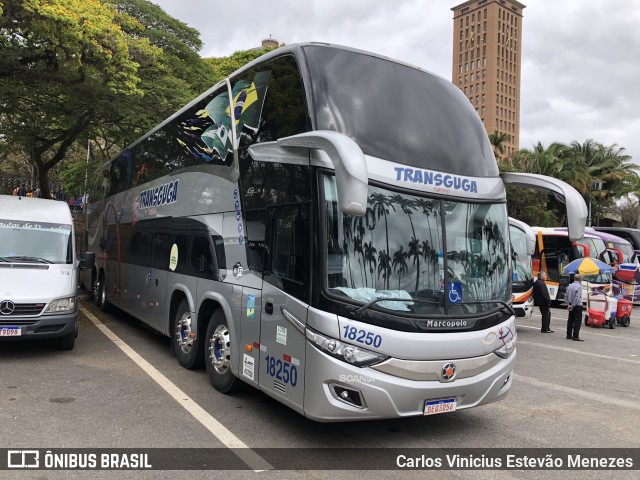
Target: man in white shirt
573,299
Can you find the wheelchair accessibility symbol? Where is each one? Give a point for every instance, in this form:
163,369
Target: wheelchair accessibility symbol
454,290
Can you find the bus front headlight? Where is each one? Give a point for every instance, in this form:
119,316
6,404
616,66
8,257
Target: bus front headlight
61,305
348,353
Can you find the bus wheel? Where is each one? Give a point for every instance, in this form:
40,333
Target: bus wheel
101,294
218,354
185,340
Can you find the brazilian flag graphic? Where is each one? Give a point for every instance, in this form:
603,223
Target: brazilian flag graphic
248,99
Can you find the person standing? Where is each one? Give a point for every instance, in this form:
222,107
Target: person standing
573,298
542,300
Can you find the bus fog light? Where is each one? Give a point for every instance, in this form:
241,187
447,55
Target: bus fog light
507,349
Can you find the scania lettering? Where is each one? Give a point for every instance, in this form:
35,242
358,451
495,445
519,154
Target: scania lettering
342,247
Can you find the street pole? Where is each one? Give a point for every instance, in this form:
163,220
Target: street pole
86,177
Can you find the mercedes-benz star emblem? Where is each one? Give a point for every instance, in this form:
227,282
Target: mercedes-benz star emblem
448,372
7,307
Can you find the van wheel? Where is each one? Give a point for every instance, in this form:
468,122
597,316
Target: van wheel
67,342
218,354
186,343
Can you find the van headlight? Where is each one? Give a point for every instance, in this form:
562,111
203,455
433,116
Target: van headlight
61,305
344,351
507,349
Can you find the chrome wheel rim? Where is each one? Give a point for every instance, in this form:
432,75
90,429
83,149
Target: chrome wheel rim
103,294
220,349
184,338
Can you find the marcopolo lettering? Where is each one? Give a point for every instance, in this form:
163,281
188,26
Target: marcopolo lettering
442,180
160,195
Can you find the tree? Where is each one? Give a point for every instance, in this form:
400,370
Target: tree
224,66
74,69
62,61
497,139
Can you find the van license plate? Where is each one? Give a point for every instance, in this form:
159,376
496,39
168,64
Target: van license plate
442,405
10,331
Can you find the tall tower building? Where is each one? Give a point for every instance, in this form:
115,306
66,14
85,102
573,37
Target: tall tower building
487,46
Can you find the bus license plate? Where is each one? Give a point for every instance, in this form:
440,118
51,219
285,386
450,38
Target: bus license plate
443,405
10,331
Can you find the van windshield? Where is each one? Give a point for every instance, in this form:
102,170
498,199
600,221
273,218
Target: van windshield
35,242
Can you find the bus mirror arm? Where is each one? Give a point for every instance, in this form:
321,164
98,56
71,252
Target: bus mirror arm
575,204
350,165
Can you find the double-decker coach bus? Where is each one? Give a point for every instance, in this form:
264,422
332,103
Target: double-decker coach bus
326,225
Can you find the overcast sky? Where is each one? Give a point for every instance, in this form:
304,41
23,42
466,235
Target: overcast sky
580,58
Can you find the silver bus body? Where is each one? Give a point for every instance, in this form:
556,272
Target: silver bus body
271,262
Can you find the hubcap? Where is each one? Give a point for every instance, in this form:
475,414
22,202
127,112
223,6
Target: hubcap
183,332
220,349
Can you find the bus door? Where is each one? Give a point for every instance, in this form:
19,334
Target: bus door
550,260
285,294
156,302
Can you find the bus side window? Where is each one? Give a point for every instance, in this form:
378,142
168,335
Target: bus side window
160,251
139,249
201,259
257,253
290,258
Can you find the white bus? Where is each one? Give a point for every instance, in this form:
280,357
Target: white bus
326,225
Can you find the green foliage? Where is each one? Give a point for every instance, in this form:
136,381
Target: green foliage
224,66
601,174
76,69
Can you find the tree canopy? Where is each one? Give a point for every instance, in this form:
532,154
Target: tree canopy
70,67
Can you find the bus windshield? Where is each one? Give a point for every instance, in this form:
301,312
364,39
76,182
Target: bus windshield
398,251
522,271
35,242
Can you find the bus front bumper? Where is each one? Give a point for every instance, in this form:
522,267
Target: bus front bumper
381,395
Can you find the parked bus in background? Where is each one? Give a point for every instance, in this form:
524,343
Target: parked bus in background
630,234
589,245
342,247
523,244
626,278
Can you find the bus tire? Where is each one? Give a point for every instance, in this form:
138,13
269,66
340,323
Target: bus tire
186,345
101,296
218,354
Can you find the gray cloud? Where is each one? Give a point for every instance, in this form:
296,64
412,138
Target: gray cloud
580,67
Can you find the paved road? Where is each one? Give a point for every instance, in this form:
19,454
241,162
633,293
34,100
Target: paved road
565,394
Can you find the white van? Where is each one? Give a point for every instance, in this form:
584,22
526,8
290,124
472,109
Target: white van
38,270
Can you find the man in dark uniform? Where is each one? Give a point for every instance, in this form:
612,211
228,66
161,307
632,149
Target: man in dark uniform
542,300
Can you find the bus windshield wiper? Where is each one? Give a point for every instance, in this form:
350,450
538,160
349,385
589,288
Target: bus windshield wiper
26,258
359,310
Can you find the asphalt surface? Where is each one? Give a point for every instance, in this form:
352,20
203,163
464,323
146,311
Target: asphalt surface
565,395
